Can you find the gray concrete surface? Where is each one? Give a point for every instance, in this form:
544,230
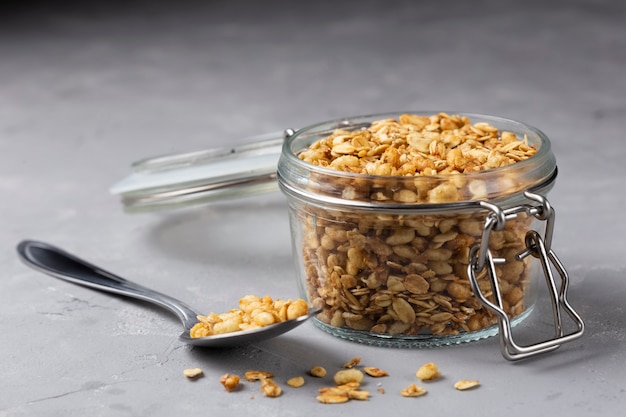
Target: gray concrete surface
86,89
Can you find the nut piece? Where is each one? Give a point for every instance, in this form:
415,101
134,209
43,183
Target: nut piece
295,382
466,384
257,375
413,391
353,362
318,371
193,373
229,381
346,376
270,389
428,372
375,372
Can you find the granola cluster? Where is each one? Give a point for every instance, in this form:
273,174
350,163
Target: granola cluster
253,312
405,274
415,150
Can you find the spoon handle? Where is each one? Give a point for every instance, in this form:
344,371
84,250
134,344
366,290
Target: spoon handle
61,264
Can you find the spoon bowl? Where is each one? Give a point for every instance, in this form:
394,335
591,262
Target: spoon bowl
54,261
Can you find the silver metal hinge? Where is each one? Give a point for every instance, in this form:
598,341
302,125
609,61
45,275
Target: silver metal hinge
481,260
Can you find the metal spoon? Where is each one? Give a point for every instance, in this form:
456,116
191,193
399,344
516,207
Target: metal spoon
60,264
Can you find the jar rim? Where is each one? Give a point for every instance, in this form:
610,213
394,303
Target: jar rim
536,171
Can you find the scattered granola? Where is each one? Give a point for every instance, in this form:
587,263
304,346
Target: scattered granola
333,398
270,388
229,381
257,375
347,382
193,373
342,393
346,376
317,371
375,372
428,372
361,395
352,363
413,391
465,384
295,382
253,312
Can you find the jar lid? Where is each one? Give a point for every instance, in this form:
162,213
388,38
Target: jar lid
204,176
182,179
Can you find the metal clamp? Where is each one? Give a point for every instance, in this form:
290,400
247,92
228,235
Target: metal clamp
540,247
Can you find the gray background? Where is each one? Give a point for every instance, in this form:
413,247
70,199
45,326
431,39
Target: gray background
85,90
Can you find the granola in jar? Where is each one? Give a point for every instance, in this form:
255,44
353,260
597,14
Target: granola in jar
382,236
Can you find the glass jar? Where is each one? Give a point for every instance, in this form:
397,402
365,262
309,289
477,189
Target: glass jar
412,261
395,260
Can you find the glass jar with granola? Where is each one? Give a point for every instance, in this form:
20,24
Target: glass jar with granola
407,227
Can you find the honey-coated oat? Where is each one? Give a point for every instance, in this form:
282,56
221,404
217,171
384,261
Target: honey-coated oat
375,372
465,384
295,382
413,391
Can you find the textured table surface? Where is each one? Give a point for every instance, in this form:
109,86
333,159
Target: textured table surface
87,90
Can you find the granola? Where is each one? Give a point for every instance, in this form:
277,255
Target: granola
406,274
253,312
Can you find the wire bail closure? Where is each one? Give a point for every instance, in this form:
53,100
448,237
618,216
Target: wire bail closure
539,247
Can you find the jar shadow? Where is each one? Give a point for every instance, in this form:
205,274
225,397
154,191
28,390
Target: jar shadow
597,295
251,231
